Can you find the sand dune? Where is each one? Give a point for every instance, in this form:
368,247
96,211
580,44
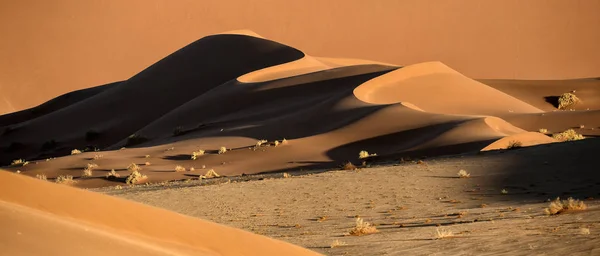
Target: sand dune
236,88
43,218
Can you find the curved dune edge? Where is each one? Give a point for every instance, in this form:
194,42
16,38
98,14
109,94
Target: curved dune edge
111,214
343,62
526,139
435,87
245,32
305,65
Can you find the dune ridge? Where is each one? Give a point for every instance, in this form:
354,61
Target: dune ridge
236,88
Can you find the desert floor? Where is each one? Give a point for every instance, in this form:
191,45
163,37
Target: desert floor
409,202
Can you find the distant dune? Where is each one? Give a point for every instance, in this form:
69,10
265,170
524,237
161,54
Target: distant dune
53,47
237,88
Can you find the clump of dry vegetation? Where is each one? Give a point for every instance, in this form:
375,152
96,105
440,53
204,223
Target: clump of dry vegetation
96,157
349,166
41,176
196,154
112,174
568,135
87,171
76,152
362,228
514,144
134,167
567,99
284,141
559,206
337,243
19,162
543,130
222,150
211,174
365,154
442,233
276,143
135,177
64,179
260,143
463,174
179,168
287,175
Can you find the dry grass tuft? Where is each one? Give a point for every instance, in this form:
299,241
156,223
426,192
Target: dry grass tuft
96,157
260,143
463,174
196,154
567,99
286,175
76,152
559,206
64,179
211,174
442,233
584,231
134,167
87,172
222,150
19,162
349,166
135,177
513,144
568,135
543,130
365,154
362,228
147,163
112,174
337,243
276,143
179,168
41,176
284,141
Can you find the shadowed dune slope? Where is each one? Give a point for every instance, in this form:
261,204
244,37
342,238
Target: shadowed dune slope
39,217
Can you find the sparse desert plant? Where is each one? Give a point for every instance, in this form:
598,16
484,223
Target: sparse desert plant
442,233
147,163
76,152
64,179
96,157
211,174
514,144
284,141
365,154
463,174
18,172
543,130
276,143
19,162
349,166
112,174
91,135
87,172
504,191
192,169
92,165
222,150
179,168
260,142
134,167
567,99
362,228
135,139
41,176
584,231
337,243
286,175
568,135
196,154
147,156
135,177
559,206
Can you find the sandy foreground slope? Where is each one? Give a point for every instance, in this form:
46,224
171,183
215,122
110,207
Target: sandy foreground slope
237,88
51,48
40,218
409,202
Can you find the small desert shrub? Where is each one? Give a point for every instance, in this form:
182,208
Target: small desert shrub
365,154
64,179
135,177
87,172
112,174
543,130
96,157
568,135
513,144
211,174
349,166
463,174
75,152
91,135
567,99
337,243
179,168
286,175
260,142
441,233
134,167
362,228
147,163
222,150
276,143
558,206
135,139
504,191
284,141
196,154
147,156
19,162
41,176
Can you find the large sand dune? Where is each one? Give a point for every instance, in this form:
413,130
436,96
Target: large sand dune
51,48
236,88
